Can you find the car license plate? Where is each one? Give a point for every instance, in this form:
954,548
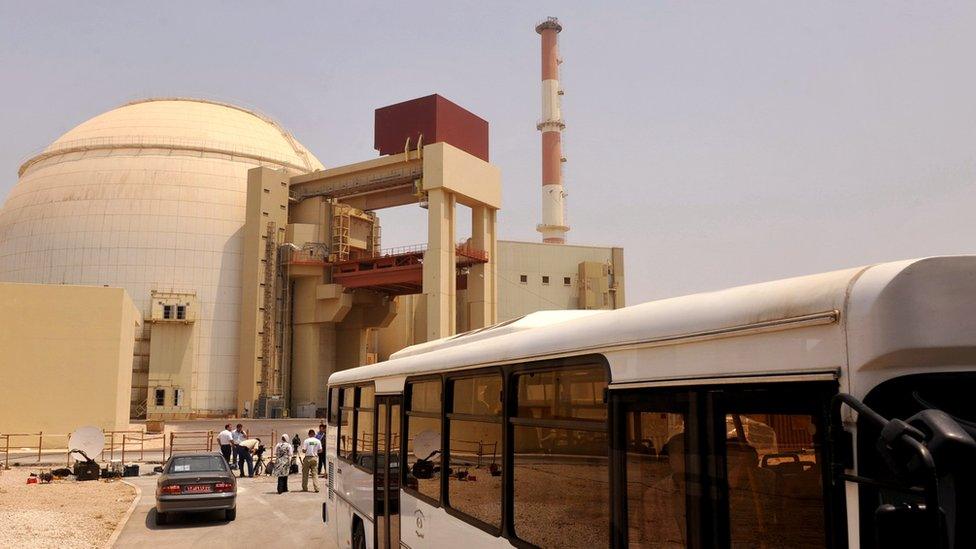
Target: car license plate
197,489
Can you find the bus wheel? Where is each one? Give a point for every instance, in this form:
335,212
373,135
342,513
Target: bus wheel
358,536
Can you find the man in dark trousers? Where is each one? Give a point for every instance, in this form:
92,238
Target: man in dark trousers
225,439
321,436
243,452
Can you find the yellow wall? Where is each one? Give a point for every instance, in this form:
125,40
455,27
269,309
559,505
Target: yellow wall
65,357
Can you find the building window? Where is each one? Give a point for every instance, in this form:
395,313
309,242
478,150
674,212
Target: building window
545,280
160,397
167,312
181,312
523,278
177,397
567,281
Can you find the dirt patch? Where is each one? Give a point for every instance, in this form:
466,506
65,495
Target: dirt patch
62,513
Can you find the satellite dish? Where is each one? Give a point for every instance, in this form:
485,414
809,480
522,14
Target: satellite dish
89,440
426,443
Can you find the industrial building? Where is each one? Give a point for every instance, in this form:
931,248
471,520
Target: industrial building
255,270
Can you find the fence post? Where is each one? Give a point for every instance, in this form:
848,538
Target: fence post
40,443
6,453
123,449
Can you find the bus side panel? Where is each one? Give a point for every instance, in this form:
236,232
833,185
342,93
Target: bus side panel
343,520
358,489
423,525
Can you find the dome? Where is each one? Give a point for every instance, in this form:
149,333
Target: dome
194,124
151,197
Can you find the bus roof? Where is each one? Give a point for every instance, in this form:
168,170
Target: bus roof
820,298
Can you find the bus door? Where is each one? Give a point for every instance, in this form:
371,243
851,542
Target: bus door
387,477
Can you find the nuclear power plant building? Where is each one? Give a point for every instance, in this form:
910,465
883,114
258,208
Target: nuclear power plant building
181,258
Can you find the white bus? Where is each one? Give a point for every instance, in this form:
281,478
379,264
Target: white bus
761,416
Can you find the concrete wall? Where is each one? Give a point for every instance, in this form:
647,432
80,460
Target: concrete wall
532,260
65,357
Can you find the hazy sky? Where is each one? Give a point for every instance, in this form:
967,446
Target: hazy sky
718,143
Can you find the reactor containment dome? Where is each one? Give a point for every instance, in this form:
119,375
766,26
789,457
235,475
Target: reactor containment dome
150,197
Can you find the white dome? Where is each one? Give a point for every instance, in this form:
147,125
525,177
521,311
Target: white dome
150,196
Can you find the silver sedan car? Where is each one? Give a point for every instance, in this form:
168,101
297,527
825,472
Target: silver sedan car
196,482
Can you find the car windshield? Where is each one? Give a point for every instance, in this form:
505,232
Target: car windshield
197,464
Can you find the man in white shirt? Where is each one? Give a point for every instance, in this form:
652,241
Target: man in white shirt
243,453
225,439
311,446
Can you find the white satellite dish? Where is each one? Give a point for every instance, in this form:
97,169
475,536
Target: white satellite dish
426,443
89,440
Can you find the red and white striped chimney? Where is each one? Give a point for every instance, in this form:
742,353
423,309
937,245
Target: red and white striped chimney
553,226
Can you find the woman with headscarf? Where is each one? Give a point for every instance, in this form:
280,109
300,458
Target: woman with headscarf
282,454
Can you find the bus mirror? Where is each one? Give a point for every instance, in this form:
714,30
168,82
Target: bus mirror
902,525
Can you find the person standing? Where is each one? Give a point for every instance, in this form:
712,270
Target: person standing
243,452
321,436
225,439
282,455
311,446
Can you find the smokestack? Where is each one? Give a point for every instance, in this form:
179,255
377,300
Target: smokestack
553,226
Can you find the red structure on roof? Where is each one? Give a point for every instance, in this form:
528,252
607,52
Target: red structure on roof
436,119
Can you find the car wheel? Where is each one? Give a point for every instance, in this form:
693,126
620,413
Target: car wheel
358,537
230,514
161,518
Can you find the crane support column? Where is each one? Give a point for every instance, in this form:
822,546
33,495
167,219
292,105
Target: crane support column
439,264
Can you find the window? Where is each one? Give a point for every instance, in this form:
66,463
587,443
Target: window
474,447
177,397
750,457
364,428
160,395
545,280
774,472
167,312
333,412
423,460
560,461
523,279
344,447
657,484
567,281
197,464
181,312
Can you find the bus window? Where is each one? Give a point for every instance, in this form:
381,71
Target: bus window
424,434
333,413
364,428
656,479
344,446
561,473
774,472
475,486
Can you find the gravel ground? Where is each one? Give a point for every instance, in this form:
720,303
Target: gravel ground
61,514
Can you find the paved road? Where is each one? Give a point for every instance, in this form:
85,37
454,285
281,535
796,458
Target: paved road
264,518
